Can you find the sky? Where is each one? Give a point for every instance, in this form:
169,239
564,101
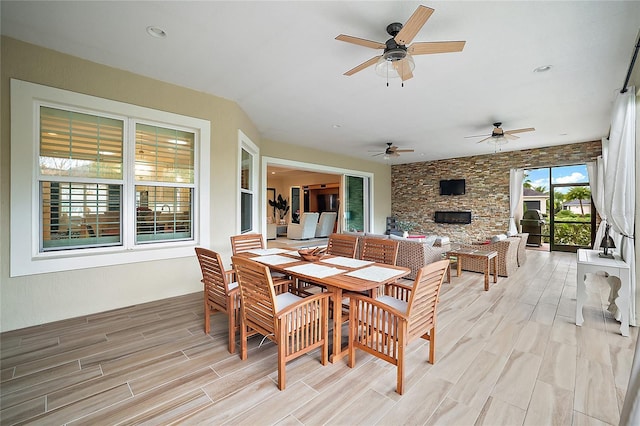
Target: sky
565,174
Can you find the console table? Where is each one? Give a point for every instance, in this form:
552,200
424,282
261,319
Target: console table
590,262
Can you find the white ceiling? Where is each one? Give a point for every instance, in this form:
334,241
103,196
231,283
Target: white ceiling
281,63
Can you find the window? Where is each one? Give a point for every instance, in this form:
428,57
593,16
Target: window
248,184
107,182
164,175
80,179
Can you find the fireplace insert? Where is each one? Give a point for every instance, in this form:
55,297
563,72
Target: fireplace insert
463,217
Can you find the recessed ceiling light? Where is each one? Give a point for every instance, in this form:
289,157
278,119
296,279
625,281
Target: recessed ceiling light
543,68
156,32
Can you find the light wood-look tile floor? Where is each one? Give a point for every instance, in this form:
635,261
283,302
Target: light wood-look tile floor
509,356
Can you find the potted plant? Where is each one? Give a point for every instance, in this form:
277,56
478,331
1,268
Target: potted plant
405,226
282,205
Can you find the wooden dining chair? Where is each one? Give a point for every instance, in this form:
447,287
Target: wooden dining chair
297,325
246,242
379,250
221,292
342,245
384,326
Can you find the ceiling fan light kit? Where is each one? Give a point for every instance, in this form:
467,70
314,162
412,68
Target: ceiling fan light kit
391,151
397,58
499,136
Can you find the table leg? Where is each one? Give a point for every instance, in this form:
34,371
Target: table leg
495,269
487,272
622,302
581,294
459,265
449,270
336,296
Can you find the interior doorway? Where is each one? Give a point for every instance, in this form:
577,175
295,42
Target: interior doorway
325,188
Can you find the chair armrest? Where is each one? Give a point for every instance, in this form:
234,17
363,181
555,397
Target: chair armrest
375,305
231,275
398,290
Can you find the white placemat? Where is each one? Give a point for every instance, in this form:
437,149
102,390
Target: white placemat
346,261
274,259
315,270
374,273
265,252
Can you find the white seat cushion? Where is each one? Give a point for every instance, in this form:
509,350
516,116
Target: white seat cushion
233,285
398,304
285,299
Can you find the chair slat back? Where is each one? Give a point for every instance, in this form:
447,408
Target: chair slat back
380,250
342,245
257,295
214,278
245,242
424,298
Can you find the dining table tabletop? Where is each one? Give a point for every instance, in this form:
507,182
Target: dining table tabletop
336,273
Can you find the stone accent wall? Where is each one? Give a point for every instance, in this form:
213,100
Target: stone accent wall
415,188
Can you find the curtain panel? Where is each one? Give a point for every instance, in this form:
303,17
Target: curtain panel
516,176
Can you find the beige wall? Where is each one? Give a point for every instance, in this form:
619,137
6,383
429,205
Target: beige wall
37,299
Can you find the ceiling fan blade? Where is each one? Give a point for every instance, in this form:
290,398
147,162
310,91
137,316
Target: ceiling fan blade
361,41
363,65
394,154
485,139
511,137
413,25
477,136
403,69
429,47
404,150
380,153
528,129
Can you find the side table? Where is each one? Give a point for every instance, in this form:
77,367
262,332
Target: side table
590,262
488,257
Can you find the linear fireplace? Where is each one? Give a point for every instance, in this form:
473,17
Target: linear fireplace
453,217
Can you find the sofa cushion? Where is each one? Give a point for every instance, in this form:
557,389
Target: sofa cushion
499,237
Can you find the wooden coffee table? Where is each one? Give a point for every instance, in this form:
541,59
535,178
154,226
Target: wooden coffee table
486,256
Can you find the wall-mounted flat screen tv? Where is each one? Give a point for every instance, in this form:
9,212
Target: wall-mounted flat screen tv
452,187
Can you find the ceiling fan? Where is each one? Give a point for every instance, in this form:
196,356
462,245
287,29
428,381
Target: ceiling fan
500,136
396,60
391,151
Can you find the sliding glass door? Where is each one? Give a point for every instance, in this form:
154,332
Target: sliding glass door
562,194
573,222
357,203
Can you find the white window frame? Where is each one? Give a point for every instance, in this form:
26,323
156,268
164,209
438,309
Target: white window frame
26,258
244,143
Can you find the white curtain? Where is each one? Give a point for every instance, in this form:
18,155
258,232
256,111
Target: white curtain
626,132
596,183
516,176
619,185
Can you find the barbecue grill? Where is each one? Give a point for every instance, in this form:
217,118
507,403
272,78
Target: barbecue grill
532,222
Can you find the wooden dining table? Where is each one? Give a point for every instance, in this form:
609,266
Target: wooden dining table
337,274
